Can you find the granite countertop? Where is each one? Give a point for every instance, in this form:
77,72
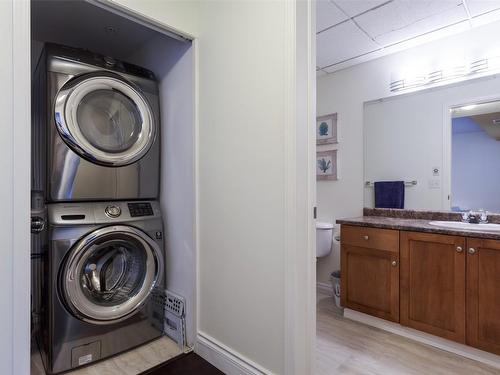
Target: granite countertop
417,225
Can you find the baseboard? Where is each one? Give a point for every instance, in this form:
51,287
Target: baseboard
225,359
324,288
425,338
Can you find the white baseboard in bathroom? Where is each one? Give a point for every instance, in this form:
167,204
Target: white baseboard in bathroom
425,338
224,358
324,288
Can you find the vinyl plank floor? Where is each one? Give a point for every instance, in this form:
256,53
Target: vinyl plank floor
351,348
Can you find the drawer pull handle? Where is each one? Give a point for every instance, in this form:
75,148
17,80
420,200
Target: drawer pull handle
394,263
459,249
472,250
366,238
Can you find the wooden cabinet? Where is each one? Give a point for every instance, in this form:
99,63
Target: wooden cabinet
433,284
483,294
448,286
370,271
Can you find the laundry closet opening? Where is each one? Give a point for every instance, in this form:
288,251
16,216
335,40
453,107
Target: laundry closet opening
113,182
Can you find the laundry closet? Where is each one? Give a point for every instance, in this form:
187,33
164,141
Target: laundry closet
113,184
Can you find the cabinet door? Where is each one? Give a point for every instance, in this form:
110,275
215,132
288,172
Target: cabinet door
433,284
370,276
483,294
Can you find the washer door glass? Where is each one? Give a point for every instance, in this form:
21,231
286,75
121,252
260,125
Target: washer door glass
110,273
105,119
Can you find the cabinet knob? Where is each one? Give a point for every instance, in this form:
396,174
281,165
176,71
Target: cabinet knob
472,250
459,249
366,238
394,263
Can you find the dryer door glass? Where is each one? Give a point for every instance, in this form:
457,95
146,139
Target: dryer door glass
105,119
109,120
110,273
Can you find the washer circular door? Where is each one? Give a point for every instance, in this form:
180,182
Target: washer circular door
110,273
105,119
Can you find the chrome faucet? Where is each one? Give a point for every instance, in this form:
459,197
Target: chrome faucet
478,217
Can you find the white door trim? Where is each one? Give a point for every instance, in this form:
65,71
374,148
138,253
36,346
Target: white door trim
226,359
300,182
21,262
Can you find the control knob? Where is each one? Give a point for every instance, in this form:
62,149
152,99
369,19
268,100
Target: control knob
113,211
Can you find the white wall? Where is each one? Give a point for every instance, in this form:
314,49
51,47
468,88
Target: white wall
178,15
242,179
475,171
345,92
173,63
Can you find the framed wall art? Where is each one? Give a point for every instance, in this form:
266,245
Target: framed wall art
326,129
326,165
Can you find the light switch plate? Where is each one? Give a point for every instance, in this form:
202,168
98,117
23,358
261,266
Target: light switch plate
434,184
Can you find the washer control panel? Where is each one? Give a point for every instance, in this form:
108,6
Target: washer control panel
112,211
137,209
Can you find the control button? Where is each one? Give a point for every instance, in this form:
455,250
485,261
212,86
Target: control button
113,211
158,235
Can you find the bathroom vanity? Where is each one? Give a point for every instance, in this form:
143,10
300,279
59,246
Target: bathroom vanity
445,282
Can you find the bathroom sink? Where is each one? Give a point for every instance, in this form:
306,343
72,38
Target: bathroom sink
466,226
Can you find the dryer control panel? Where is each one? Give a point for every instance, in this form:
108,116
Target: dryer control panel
138,209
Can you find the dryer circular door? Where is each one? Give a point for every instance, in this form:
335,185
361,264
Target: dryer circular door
109,274
105,119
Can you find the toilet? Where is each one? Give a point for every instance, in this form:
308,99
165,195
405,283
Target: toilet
324,234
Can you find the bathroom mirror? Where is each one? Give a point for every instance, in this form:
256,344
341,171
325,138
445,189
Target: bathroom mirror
443,143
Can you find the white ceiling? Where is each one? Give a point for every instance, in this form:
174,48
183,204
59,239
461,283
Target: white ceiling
84,25
353,31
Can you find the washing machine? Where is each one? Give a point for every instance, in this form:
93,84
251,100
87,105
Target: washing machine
96,127
103,281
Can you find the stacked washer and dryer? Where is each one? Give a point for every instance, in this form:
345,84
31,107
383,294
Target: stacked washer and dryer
96,164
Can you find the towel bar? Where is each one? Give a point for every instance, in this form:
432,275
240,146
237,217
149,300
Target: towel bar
407,183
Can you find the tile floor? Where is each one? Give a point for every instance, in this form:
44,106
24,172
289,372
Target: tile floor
132,362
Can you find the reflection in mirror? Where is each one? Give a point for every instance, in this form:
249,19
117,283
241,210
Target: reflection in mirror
441,145
475,157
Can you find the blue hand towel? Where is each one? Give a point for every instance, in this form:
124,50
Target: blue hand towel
389,194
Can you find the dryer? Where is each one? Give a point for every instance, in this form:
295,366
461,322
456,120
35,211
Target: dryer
103,281
96,128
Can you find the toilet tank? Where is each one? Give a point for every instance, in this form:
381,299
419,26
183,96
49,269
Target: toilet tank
324,235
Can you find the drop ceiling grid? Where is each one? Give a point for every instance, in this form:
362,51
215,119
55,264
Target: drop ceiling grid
358,28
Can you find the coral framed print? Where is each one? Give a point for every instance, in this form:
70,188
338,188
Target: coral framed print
326,165
326,129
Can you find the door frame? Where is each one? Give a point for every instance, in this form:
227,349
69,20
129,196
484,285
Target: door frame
21,187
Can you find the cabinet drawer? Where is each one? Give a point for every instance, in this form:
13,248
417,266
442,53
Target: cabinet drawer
371,238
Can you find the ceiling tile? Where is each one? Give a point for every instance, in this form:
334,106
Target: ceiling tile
327,14
452,16
477,7
399,14
355,7
342,42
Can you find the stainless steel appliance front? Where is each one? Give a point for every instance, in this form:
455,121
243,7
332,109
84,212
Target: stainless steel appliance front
100,277
99,130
